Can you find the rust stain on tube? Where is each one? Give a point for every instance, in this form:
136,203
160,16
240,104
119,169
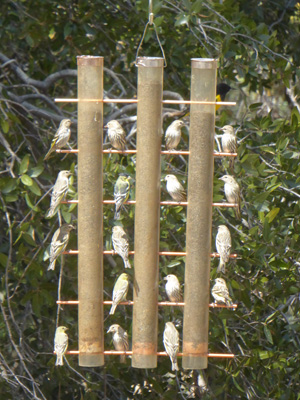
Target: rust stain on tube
199,215
147,212
90,215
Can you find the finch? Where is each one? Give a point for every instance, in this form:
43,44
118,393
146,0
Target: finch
173,288
223,245
173,134
121,193
58,243
175,189
120,339
120,244
61,137
119,291
232,193
171,344
116,135
220,292
222,90
59,190
60,344
228,141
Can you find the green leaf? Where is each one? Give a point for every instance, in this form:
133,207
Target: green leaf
4,125
268,334
26,180
36,171
24,165
8,185
263,355
29,203
182,20
34,188
3,259
272,214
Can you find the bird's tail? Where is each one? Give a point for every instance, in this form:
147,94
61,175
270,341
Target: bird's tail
48,154
174,365
117,214
59,360
221,267
127,263
113,308
123,359
50,212
52,265
238,211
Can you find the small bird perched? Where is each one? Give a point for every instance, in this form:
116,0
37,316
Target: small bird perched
228,141
173,288
59,190
220,292
120,339
61,137
116,135
60,344
232,193
120,244
173,134
119,291
171,343
175,189
223,245
222,90
58,243
121,193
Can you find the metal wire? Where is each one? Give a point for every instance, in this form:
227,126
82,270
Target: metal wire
169,152
159,353
161,253
160,303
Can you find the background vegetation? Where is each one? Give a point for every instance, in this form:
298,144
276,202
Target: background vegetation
257,44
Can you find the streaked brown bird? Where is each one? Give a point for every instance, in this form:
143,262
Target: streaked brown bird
120,244
223,245
175,189
173,289
61,137
173,134
116,135
171,343
59,242
229,143
232,193
59,191
120,340
220,292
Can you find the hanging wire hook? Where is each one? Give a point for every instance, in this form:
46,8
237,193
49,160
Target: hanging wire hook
150,22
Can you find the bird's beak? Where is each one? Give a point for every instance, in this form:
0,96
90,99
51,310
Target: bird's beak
108,331
221,179
165,278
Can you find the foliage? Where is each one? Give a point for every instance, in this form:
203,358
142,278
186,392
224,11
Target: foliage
257,45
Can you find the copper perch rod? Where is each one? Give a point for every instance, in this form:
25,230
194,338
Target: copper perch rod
162,203
170,152
159,353
221,103
160,303
161,253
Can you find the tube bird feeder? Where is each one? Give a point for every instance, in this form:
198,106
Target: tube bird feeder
90,236
199,215
147,212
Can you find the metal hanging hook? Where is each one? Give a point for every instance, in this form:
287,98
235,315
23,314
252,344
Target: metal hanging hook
151,23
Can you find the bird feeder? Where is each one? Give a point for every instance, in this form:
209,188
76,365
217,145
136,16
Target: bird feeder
147,212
